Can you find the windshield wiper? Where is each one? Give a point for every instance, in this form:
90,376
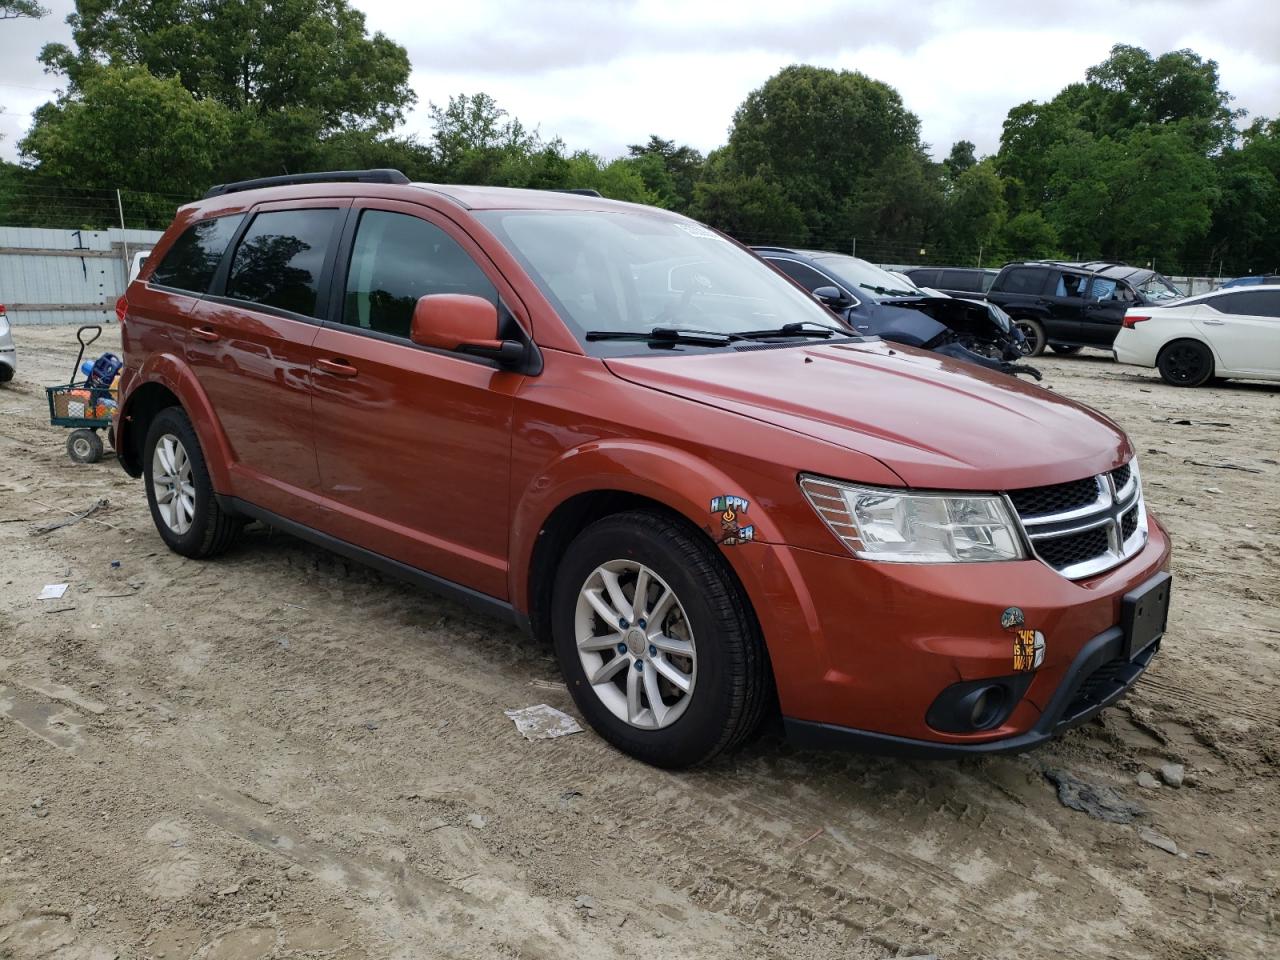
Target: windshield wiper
794,330
706,338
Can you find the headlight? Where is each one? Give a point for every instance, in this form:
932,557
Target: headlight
900,526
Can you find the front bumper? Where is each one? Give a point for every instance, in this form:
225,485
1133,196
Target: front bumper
862,650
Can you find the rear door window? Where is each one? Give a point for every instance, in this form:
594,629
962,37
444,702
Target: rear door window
1023,280
924,278
1071,285
194,257
1248,303
959,280
280,260
397,259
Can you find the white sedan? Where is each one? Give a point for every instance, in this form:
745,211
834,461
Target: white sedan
1228,333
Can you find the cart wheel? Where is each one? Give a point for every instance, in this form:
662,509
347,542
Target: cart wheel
84,446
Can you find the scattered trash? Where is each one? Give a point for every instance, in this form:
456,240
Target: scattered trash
228,891
1213,490
1101,803
1177,421
371,725
813,836
548,684
543,722
1145,779
52,591
1172,774
1158,840
1222,465
587,903
115,564
75,518
476,822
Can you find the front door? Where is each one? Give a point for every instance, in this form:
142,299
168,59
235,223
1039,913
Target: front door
250,346
1108,301
413,444
1065,303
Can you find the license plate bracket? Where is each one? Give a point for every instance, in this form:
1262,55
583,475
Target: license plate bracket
1144,614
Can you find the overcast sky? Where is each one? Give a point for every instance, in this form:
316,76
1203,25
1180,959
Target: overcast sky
606,73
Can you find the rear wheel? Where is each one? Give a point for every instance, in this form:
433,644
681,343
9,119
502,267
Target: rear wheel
1185,363
84,446
1033,331
179,491
1064,348
658,647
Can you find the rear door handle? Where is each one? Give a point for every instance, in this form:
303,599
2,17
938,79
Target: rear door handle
339,368
205,333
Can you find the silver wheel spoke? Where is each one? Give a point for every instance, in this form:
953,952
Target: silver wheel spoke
633,695
667,644
651,691
610,669
606,642
616,596
601,606
638,598
660,609
679,679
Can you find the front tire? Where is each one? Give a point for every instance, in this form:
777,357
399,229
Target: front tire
1033,331
1185,363
1064,349
183,506
676,675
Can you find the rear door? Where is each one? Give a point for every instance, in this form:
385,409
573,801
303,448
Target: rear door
414,444
1065,301
251,349
1243,327
1107,302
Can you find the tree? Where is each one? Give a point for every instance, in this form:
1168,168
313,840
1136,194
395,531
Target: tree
106,136
752,209
960,159
267,56
975,212
668,171
15,9
1029,235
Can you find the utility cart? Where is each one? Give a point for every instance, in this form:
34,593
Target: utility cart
85,407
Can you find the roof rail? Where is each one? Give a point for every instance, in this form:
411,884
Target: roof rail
326,176
580,191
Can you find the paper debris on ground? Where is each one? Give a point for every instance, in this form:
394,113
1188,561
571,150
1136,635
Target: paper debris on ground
52,591
543,722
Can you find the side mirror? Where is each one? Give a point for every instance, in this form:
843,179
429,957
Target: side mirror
462,323
831,297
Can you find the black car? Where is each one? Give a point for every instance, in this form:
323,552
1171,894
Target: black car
1067,306
954,281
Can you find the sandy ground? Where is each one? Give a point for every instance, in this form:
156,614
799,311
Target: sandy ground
279,754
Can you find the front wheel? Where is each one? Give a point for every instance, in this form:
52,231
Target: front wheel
656,642
1033,331
1185,363
183,506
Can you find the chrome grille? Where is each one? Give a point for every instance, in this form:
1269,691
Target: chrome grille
1084,527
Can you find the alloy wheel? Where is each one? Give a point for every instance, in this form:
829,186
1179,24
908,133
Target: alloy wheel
1185,363
174,488
635,644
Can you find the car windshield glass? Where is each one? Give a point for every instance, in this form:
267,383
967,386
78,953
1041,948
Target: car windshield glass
1156,287
626,273
860,275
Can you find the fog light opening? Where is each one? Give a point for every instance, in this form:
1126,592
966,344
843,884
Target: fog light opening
985,706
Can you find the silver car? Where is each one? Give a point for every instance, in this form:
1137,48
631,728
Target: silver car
8,355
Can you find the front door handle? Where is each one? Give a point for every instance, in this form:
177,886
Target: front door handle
339,368
1213,323
205,333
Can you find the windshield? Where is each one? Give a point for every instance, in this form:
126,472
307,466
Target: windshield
860,275
629,273
1156,288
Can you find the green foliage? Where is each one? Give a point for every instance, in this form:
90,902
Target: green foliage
961,158
975,211
668,171
13,9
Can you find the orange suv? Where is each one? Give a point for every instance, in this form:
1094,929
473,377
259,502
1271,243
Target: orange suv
626,433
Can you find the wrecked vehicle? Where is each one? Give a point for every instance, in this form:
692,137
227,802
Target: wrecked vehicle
889,306
623,432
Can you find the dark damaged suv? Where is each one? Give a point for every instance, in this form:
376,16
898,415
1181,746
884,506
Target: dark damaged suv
1067,306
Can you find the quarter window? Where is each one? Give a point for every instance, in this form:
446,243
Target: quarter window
1248,303
1023,280
396,260
194,257
280,260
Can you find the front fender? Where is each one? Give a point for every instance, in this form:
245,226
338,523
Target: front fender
677,479
172,372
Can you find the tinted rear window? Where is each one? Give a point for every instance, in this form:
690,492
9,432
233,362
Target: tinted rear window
194,257
281,257
961,280
1248,303
1024,280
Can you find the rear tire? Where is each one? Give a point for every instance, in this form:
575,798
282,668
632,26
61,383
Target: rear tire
1064,349
183,505
84,446
723,670
1185,363
1033,330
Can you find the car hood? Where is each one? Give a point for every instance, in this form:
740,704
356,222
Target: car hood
936,422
